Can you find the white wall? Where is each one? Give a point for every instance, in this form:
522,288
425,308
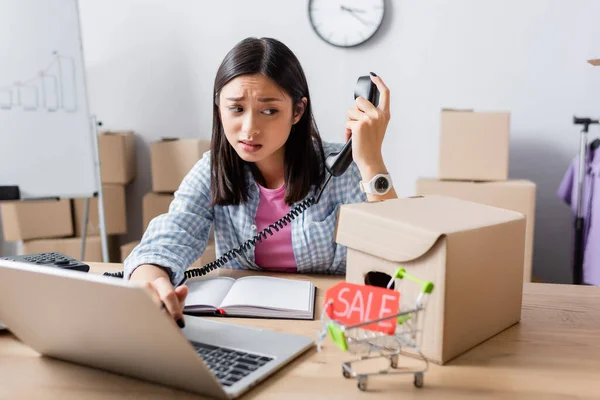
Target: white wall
151,65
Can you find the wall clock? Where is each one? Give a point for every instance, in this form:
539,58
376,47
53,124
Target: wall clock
346,23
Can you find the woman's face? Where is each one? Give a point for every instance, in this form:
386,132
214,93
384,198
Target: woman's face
257,116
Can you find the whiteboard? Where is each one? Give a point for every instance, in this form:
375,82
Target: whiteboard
47,141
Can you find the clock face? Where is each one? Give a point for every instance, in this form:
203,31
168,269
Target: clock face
346,23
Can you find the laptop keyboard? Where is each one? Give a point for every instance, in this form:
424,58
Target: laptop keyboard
229,366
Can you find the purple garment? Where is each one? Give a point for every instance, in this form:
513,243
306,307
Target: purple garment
590,210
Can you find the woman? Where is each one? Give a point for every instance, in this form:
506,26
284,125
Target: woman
266,156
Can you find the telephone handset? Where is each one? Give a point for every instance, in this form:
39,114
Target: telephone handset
336,164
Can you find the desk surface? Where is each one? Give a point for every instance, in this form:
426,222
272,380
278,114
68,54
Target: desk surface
553,353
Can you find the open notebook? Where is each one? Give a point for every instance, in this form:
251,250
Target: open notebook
251,296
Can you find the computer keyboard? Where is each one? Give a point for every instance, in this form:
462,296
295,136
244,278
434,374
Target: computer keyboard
229,366
53,259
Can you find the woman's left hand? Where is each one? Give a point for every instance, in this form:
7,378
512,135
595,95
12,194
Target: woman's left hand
367,125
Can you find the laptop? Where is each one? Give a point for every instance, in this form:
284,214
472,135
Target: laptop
114,325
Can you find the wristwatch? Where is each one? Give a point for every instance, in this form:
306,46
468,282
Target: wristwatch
380,184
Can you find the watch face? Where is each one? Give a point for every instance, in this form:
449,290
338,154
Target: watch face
381,184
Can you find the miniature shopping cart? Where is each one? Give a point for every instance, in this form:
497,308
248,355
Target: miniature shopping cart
368,344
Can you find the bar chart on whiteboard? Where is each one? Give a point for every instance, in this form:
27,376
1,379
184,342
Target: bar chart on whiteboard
53,88
48,141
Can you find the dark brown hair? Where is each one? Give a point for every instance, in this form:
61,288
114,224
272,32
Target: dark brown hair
304,157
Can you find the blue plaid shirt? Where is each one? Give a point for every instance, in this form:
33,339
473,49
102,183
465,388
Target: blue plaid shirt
176,239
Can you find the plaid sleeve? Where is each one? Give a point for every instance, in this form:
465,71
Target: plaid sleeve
353,194
176,239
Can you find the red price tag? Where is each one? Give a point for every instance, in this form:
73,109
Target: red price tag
353,304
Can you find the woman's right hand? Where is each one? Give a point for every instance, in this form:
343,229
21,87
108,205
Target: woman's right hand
158,284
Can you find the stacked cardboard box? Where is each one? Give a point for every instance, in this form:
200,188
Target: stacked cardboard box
473,165
170,161
56,225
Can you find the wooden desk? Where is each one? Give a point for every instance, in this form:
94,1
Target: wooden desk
553,353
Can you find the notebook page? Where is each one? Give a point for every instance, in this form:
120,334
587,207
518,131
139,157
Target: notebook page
270,292
208,291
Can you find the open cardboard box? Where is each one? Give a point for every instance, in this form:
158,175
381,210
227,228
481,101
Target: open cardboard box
473,253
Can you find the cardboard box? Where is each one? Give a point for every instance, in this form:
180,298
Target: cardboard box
115,212
473,253
474,145
515,195
205,258
117,156
153,205
72,247
172,159
29,219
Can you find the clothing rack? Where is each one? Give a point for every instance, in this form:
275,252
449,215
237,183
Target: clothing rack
578,248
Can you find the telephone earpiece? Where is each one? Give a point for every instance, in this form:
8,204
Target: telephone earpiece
367,89
338,163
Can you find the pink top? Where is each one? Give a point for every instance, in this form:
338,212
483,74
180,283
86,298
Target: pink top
275,253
